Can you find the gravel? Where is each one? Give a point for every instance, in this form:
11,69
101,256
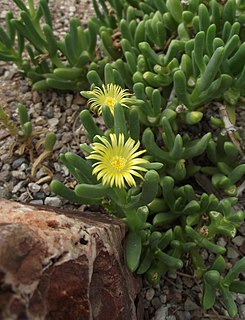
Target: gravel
177,297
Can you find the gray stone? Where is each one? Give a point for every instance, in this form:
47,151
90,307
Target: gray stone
19,174
5,193
46,188
40,121
181,315
156,302
67,137
163,298
171,318
161,313
53,202
242,311
190,305
188,282
75,107
4,175
149,294
72,8
53,122
36,202
232,253
40,173
40,195
34,187
18,186
240,298
18,162
172,275
24,89
64,170
242,229
69,97
57,166
204,254
6,167
238,240
221,242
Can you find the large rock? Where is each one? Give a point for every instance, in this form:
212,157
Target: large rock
58,265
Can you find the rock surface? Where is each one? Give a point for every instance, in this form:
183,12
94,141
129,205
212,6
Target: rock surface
57,265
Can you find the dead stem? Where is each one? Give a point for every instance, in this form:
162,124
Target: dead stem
184,275
229,127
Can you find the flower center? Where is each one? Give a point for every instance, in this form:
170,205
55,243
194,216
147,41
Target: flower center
118,163
109,101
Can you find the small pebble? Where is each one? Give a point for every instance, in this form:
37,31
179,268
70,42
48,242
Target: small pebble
46,188
40,173
221,242
149,294
6,167
23,167
72,8
156,302
67,137
64,170
69,97
240,298
37,202
242,311
36,98
17,187
204,254
40,121
238,240
19,174
57,167
18,162
53,122
172,275
53,202
75,107
188,282
5,193
232,253
24,89
4,175
34,187
39,195
163,298
161,313
190,305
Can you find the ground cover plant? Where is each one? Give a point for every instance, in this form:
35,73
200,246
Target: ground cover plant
167,78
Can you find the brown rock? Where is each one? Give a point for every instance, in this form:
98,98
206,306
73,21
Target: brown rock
59,265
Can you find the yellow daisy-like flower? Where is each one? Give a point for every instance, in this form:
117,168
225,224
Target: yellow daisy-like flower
108,96
117,161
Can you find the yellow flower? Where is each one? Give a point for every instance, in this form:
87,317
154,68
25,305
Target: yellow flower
117,161
108,96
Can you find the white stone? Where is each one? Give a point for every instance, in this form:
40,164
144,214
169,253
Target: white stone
34,187
53,202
